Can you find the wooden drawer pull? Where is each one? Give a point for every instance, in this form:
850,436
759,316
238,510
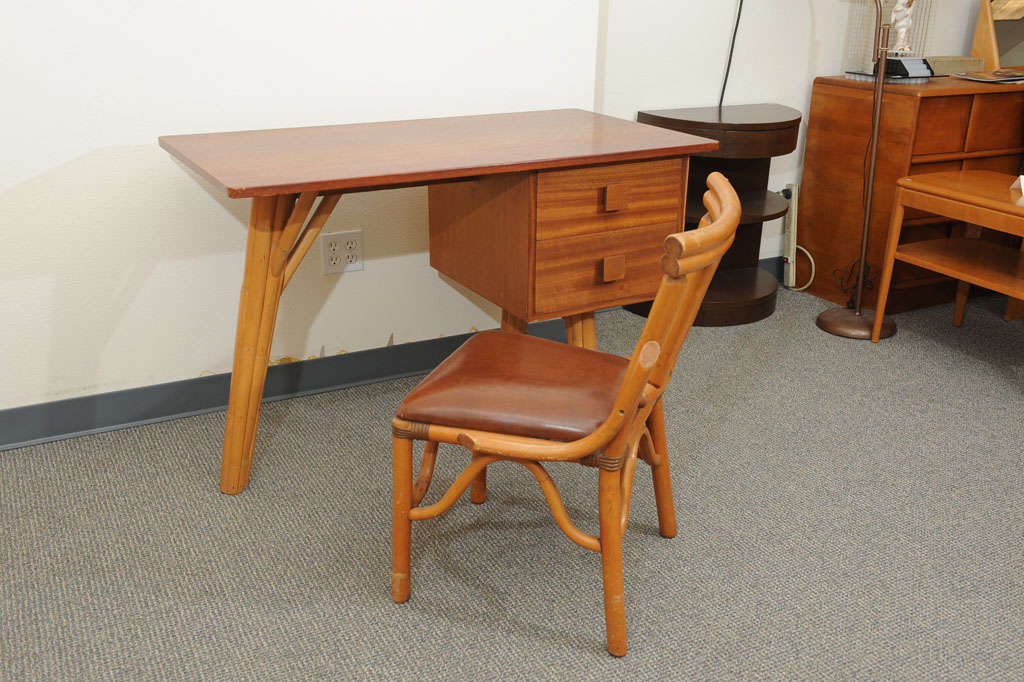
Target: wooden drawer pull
616,197
614,268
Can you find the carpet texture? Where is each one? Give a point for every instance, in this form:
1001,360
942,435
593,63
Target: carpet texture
846,510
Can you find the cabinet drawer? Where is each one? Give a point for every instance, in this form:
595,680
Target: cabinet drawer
602,198
942,124
997,122
571,273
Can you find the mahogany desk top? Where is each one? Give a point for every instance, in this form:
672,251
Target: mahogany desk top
366,156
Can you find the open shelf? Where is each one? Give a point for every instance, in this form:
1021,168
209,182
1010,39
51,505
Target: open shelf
758,207
992,266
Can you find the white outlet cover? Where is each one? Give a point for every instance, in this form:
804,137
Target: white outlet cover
341,251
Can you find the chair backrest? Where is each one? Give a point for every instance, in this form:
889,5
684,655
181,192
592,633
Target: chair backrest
689,263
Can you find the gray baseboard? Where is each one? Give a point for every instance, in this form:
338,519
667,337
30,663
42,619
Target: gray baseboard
33,424
775,266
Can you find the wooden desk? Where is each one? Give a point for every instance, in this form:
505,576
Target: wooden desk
946,124
556,213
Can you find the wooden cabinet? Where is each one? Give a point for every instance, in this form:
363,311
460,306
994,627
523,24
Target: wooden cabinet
946,124
547,244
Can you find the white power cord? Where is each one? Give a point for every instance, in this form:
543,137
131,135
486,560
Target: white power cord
811,259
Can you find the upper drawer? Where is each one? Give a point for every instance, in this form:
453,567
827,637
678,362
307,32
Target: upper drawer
604,198
997,122
942,124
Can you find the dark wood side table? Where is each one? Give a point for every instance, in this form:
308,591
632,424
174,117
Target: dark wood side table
749,135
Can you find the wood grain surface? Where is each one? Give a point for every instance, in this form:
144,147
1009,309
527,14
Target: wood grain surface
399,153
571,202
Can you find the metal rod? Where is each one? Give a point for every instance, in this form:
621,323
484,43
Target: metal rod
881,54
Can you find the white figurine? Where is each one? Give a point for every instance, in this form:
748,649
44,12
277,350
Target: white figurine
901,22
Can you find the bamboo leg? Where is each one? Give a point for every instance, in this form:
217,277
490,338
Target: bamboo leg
589,331
574,330
962,291
268,320
661,474
895,227
611,562
511,323
580,331
478,491
236,462
401,529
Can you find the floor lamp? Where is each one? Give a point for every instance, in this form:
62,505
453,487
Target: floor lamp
851,322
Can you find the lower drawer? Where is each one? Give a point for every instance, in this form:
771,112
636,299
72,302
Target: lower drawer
572,273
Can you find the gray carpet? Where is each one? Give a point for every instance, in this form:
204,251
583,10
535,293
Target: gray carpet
846,510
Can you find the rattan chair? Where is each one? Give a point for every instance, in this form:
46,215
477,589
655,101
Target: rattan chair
511,397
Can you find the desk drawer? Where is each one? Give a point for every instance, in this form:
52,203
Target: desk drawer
613,197
571,273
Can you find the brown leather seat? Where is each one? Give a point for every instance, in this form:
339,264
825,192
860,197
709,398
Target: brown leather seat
520,385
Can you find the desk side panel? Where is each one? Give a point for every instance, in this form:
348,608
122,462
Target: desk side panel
482,235
831,192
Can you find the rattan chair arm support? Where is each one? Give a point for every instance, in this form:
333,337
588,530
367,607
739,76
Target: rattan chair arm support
426,473
558,511
457,488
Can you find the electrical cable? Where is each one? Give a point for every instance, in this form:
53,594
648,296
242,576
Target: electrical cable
811,279
732,47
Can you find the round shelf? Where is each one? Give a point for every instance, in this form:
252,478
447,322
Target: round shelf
747,117
758,207
743,131
739,296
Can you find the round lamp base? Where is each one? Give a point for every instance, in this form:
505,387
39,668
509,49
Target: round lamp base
846,322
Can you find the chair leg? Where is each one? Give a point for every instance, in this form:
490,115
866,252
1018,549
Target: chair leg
962,291
401,529
611,562
478,491
1015,306
661,474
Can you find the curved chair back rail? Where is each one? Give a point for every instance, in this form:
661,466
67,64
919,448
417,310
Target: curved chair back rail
633,429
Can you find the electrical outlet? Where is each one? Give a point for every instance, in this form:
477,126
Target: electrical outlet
342,251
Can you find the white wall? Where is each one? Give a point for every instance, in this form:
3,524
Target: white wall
661,55
120,269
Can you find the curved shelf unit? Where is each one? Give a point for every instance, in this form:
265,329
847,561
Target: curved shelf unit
758,207
748,135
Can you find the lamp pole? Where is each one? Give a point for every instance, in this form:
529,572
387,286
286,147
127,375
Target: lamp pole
843,321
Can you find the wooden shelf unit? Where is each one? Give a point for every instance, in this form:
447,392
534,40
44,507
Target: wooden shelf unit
983,263
943,125
749,135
